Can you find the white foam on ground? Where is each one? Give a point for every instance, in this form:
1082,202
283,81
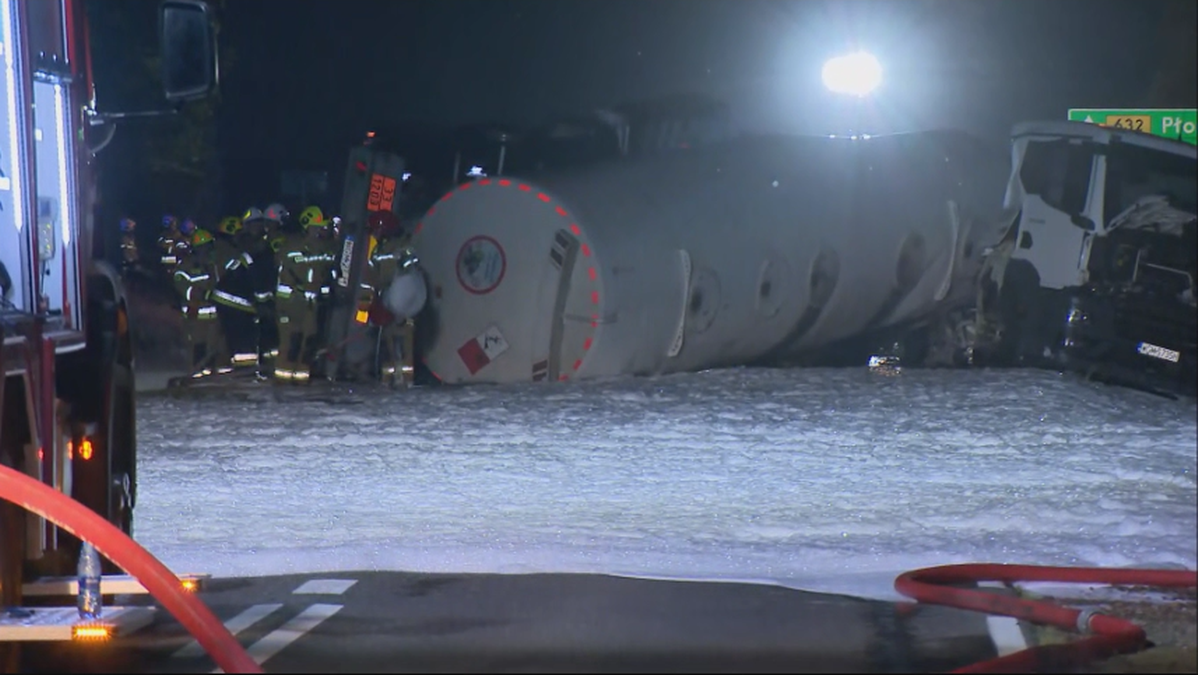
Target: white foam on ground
825,480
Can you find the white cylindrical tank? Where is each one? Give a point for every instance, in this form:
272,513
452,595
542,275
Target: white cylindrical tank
746,252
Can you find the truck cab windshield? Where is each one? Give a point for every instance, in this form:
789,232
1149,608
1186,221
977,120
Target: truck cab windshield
1138,176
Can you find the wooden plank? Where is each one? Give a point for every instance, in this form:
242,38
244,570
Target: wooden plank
110,584
55,624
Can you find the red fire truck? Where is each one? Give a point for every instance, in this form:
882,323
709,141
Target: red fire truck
67,401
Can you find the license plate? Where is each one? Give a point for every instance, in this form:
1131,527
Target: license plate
1156,352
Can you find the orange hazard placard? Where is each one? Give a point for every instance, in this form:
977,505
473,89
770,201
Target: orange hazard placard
382,193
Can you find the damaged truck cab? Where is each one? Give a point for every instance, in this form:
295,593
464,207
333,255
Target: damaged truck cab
1096,274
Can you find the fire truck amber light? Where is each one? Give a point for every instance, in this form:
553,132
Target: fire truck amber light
190,585
86,450
91,632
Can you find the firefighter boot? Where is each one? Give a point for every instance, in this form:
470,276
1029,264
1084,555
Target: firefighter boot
309,335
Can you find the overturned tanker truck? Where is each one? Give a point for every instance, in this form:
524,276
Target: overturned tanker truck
751,250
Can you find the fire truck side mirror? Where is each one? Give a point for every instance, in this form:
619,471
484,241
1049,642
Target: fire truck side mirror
187,43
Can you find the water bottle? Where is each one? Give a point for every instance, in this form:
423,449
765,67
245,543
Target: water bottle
89,582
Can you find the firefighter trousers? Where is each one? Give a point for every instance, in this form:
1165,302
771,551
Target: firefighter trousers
396,343
296,319
240,329
268,331
204,339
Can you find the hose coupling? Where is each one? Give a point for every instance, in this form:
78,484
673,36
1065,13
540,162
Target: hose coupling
1083,621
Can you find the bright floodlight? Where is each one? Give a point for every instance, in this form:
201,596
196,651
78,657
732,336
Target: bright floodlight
856,74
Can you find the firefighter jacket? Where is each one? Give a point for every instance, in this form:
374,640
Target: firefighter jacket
128,250
264,271
305,270
387,258
234,285
329,251
195,280
173,245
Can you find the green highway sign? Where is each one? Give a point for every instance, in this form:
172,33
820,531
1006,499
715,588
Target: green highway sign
1177,124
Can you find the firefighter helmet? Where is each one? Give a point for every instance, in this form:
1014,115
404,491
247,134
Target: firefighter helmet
187,227
127,224
252,213
383,224
230,225
276,212
169,221
200,238
312,217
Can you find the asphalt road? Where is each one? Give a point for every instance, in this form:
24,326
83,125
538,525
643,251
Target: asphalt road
399,622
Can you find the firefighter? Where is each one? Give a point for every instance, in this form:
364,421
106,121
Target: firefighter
266,279
195,280
305,275
129,255
234,297
260,281
187,228
331,240
330,237
169,243
389,258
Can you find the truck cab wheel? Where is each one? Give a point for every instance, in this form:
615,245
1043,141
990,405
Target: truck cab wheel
1018,300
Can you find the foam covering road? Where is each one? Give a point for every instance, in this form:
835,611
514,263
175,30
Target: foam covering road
822,480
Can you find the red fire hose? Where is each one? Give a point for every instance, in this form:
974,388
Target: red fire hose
84,523
1110,635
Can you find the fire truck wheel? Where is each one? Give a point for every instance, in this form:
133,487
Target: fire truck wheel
122,435
119,432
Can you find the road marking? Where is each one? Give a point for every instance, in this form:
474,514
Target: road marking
1005,631
324,586
276,640
235,626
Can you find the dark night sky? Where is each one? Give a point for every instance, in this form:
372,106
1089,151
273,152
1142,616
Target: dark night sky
311,75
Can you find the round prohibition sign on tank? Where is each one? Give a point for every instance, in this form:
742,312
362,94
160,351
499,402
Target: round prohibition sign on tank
481,265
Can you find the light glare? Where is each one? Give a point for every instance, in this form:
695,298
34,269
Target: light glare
855,74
